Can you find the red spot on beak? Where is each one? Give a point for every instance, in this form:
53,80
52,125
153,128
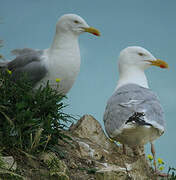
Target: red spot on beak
96,34
162,66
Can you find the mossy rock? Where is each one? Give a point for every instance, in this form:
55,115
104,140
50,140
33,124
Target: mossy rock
57,167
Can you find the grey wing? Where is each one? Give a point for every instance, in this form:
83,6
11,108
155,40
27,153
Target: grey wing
28,62
20,52
126,101
24,57
34,71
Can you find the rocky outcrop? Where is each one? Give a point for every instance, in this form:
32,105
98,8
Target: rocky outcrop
109,161
89,155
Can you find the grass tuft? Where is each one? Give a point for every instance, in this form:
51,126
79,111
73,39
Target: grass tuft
30,120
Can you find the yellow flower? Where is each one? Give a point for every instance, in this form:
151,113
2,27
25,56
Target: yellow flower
10,72
161,168
150,157
160,161
58,80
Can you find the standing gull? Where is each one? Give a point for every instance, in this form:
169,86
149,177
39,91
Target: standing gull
133,115
60,61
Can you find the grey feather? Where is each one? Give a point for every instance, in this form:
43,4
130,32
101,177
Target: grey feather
24,59
119,108
27,61
20,52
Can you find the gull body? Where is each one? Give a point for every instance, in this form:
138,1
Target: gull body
60,61
133,115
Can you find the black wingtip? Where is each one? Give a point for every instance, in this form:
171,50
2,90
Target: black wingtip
137,118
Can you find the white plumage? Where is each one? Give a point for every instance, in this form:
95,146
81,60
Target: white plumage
133,114
60,61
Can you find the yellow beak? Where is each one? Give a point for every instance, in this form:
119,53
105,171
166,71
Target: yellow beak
160,63
92,30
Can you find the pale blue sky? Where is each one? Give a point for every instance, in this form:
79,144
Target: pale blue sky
147,23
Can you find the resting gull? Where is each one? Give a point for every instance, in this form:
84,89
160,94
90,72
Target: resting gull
133,115
60,61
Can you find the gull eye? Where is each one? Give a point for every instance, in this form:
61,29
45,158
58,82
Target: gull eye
76,22
141,54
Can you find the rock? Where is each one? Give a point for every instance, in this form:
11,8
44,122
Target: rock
57,167
9,162
132,171
89,128
47,157
112,172
107,157
85,149
61,176
8,168
110,175
73,165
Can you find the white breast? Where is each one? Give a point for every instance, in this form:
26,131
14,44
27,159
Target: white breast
64,65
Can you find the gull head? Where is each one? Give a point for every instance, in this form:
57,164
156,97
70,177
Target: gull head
72,23
138,57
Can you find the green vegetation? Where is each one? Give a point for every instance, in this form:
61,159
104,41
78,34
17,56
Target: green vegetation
31,121
171,173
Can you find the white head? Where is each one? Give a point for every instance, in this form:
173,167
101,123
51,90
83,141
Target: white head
132,62
138,57
74,24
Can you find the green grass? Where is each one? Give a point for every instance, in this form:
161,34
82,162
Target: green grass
30,120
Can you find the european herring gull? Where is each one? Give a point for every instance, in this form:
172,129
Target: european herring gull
133,115
60,61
